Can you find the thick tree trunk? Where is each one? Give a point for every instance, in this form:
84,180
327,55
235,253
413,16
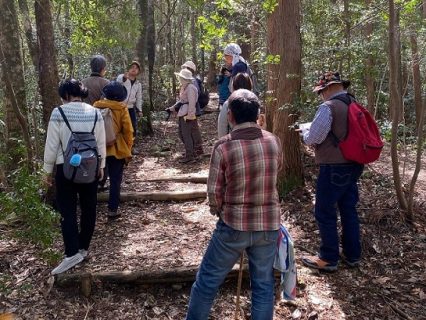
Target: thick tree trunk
284,39
14,102
395,98
48,70
369,67
157,196
31,41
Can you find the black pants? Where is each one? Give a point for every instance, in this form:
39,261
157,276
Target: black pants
66,196
115,172
134,119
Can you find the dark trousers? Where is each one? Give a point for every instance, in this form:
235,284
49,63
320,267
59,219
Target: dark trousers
115,172
66,196
134,119
337,187
189,133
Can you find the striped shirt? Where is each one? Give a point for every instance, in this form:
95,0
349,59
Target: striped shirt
242,179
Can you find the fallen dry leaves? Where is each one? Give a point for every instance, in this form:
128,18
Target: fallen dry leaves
390,284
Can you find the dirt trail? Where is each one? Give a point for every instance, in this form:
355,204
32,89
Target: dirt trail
391,283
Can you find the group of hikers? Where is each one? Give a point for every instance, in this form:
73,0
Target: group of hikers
242,182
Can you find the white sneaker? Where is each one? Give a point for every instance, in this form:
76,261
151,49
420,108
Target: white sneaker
84,253
68,263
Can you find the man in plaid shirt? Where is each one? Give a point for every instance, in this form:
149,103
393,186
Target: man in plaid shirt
242,193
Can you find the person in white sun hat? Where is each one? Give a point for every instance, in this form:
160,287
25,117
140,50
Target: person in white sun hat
189,131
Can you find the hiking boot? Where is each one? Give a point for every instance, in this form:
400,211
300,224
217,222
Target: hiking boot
350,263
113,215
68,263
187,160
319,264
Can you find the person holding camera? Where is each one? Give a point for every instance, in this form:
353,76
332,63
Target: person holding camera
185,108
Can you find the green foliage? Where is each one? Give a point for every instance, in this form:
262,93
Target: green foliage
269,5
22,205
273,59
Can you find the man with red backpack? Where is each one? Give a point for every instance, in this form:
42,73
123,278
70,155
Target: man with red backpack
339,173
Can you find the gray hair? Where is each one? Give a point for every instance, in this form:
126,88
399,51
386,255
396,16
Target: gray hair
97,63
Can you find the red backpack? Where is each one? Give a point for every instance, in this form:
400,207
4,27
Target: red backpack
362,143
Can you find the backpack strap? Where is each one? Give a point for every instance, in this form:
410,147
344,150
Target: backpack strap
65,118
96,120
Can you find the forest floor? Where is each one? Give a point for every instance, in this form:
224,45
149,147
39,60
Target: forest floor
152,236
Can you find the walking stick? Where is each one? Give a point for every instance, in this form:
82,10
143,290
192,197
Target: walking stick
240,278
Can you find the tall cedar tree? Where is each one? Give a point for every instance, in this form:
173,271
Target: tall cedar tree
284,82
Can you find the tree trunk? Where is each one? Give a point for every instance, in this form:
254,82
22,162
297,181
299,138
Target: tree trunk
417,81
211,73
141,50
194,37
31,41
347,20
150,45
67,36
369,67
14,87
172,61
395,99
284,39
48,70
424,9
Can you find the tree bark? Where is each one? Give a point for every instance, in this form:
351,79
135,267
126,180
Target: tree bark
175,275
194,37
141,47
14,86
284,39
395,99
31,41
157,196
150,38
48,70
417,81
180,179
347,20
369,67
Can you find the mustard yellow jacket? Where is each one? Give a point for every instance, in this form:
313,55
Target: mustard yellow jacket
122,148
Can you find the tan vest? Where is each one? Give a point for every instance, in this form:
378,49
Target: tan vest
328,151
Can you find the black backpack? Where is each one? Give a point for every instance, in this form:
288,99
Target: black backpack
203,95
81,156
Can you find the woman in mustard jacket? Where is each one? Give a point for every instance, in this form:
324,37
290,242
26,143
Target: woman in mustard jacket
118,151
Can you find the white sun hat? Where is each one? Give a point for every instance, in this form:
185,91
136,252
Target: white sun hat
185,74
189,64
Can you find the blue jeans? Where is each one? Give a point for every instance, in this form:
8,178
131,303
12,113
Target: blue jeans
337,186
115,169
224,250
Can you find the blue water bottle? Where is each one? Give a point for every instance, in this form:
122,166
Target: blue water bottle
75,160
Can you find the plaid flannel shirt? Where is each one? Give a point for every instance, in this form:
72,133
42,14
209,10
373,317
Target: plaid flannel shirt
242,179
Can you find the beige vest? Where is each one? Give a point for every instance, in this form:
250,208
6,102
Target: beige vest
328,151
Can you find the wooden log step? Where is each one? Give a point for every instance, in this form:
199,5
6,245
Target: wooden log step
157,196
